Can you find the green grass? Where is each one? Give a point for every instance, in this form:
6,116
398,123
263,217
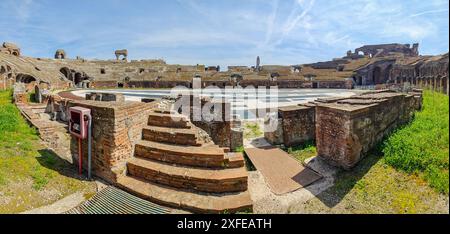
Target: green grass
406,173
30,174
373,187
303,151
252,130
422,147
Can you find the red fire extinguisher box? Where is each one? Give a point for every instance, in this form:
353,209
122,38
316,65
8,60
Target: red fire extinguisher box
78,121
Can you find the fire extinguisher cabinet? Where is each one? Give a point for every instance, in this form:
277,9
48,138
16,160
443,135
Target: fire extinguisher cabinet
78,121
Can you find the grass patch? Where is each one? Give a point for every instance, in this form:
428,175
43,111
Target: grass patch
373,187
303,151
239,149
406,173
252,130
422,147
30,175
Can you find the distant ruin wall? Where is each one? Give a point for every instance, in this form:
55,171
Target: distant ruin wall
105,97
347,129
428,75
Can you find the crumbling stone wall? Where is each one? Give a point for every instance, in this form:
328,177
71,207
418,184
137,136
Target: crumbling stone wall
10,48
385,49
348,128
105,97
296,125
226,132
116,126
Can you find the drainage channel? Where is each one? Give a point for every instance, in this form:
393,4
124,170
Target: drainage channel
112,200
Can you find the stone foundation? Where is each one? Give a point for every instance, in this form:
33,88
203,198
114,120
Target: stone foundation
116,127
347,129
296,125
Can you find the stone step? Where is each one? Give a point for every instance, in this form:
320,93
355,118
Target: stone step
234,160
210,156
198,179
167,120
164,111
181,136
185,199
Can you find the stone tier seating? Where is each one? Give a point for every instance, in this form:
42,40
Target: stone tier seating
176,167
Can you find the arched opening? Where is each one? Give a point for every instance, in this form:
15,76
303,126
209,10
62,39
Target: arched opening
445,84
15,53
376,75
439,84
359,80
66,72
120,85
78,78
81,80
24,78
387,74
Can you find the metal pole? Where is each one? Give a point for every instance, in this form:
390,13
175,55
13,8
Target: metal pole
80,157
89,146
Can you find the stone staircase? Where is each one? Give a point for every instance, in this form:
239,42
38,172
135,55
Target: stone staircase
176,164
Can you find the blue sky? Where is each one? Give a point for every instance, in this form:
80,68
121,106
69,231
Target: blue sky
222,32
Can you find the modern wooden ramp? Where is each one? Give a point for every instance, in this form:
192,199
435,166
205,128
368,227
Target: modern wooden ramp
281,172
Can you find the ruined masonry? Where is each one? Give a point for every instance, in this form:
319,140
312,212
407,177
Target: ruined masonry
174,166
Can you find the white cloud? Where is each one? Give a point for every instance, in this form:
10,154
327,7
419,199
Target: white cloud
429,12
232,31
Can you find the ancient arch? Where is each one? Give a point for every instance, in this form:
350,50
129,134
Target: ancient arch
79,79
445,84
60,54
387,74
359,80
376,75
121,53
67,73
439,83
25,78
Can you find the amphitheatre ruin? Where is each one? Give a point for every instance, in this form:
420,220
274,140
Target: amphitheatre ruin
143,145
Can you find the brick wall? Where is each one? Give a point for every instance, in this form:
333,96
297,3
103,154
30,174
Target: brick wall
116,126
296,125
347,129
